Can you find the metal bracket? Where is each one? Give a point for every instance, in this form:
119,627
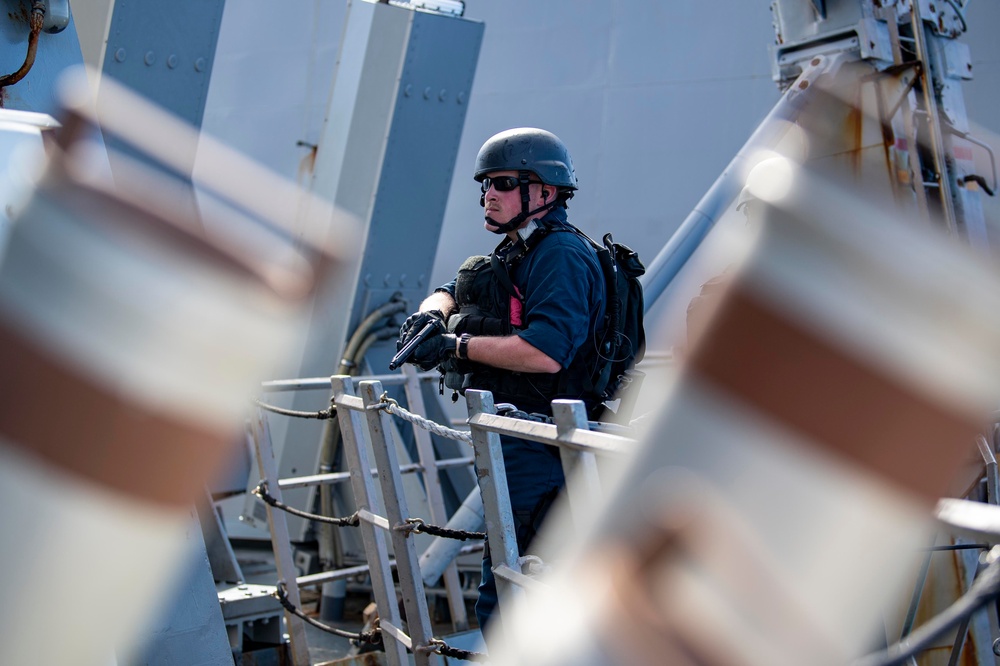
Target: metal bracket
943,17
56,16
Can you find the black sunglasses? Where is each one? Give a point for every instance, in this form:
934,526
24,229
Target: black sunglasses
504,183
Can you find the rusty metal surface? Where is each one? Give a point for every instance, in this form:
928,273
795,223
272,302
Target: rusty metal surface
35,21
944,584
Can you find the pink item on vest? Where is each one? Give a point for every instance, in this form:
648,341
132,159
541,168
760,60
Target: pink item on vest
516,307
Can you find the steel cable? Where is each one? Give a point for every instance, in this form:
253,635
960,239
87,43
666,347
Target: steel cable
373,637
442,648
323,414
261,491
419,526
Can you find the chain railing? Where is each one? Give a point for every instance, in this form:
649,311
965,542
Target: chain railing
361,420
365,417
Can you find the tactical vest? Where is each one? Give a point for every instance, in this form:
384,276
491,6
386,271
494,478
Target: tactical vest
484,308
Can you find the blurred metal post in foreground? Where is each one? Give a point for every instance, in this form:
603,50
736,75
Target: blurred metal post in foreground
783,497
131,340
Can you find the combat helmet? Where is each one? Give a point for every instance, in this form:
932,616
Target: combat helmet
527,149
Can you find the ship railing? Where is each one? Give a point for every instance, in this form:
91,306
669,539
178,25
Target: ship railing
579,447
427,464
363,417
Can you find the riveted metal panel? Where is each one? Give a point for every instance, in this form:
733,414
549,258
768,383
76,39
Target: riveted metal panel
419,159
387,156
165,51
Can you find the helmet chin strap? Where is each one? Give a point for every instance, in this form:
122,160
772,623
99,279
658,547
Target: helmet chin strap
517,220
524,177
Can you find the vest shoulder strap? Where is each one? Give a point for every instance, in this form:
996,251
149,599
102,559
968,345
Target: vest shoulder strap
501,268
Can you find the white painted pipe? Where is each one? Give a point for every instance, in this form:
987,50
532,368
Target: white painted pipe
468,518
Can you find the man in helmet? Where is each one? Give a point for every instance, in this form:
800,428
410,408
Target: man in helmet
522,321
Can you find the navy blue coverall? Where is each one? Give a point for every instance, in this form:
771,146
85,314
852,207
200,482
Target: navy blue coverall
562,307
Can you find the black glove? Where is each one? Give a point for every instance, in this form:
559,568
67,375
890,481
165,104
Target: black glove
414,324
433,351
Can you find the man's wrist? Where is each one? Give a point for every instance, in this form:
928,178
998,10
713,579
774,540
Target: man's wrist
462,346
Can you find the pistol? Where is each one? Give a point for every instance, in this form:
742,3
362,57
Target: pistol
403,355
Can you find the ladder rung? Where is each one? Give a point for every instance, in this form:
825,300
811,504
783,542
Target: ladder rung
374,519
